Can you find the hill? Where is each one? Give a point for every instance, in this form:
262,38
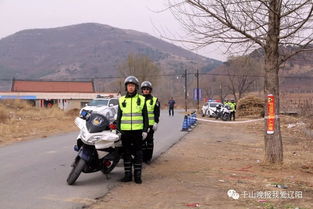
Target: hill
86,50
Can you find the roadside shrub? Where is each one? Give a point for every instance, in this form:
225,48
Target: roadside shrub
54,112
16,104
251,106
73,112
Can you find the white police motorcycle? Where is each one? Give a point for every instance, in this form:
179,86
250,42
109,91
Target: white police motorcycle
222,112
98,144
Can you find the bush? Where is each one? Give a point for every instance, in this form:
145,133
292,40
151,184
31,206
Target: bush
16,104
251,106
73,112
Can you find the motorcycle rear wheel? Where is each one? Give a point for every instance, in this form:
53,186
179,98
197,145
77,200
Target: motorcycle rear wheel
225,117
76,171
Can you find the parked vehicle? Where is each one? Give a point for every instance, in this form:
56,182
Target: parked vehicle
222,112
209,108
100,103
98,144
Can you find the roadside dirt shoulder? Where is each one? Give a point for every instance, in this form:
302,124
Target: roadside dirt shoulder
211,160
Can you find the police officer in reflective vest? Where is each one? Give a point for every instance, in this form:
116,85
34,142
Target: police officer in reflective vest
233,107
132,122
153,107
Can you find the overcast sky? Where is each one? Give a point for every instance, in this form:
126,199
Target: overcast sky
140,15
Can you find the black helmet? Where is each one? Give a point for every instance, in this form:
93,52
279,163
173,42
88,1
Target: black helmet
131,79
146,84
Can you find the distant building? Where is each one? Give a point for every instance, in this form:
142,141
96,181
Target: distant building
53,86
65,94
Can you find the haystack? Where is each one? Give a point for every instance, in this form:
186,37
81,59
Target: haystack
250,106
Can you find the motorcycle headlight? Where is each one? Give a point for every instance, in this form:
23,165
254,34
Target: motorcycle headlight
83,113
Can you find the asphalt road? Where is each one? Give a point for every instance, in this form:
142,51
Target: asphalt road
33,173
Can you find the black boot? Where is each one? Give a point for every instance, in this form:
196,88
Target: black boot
128,172
138,166
137,176
137,173
128,177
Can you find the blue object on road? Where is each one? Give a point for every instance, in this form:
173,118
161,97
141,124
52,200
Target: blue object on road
185,124
189,121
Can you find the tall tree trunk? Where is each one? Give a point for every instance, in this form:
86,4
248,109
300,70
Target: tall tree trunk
273,142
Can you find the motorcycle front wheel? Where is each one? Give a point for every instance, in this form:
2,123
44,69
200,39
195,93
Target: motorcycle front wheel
108,168
77,169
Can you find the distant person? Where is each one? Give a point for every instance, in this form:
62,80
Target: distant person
171,105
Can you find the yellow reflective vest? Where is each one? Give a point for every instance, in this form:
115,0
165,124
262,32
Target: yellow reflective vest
131,108
150,108
232,106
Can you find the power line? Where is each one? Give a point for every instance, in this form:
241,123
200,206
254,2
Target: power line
163,75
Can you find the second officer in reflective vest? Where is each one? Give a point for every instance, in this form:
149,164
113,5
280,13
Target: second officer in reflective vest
132,122
153,107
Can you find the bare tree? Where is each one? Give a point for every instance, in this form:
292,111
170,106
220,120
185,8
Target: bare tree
207,92
242,72
273,25
141,67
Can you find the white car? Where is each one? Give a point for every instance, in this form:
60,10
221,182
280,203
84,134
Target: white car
209,108
100,103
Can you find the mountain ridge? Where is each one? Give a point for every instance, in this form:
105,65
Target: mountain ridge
86,49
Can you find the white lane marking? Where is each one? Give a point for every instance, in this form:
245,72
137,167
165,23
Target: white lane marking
235,122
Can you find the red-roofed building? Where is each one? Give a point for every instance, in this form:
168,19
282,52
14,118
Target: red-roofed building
53,86
65,94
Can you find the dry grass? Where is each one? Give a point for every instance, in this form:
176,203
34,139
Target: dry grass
250,106
296,171
3,115
310,124
16,104
19,120
73,112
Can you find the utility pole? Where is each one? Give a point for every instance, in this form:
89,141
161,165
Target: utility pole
221,91
186,96
198,91
120,92
93,84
